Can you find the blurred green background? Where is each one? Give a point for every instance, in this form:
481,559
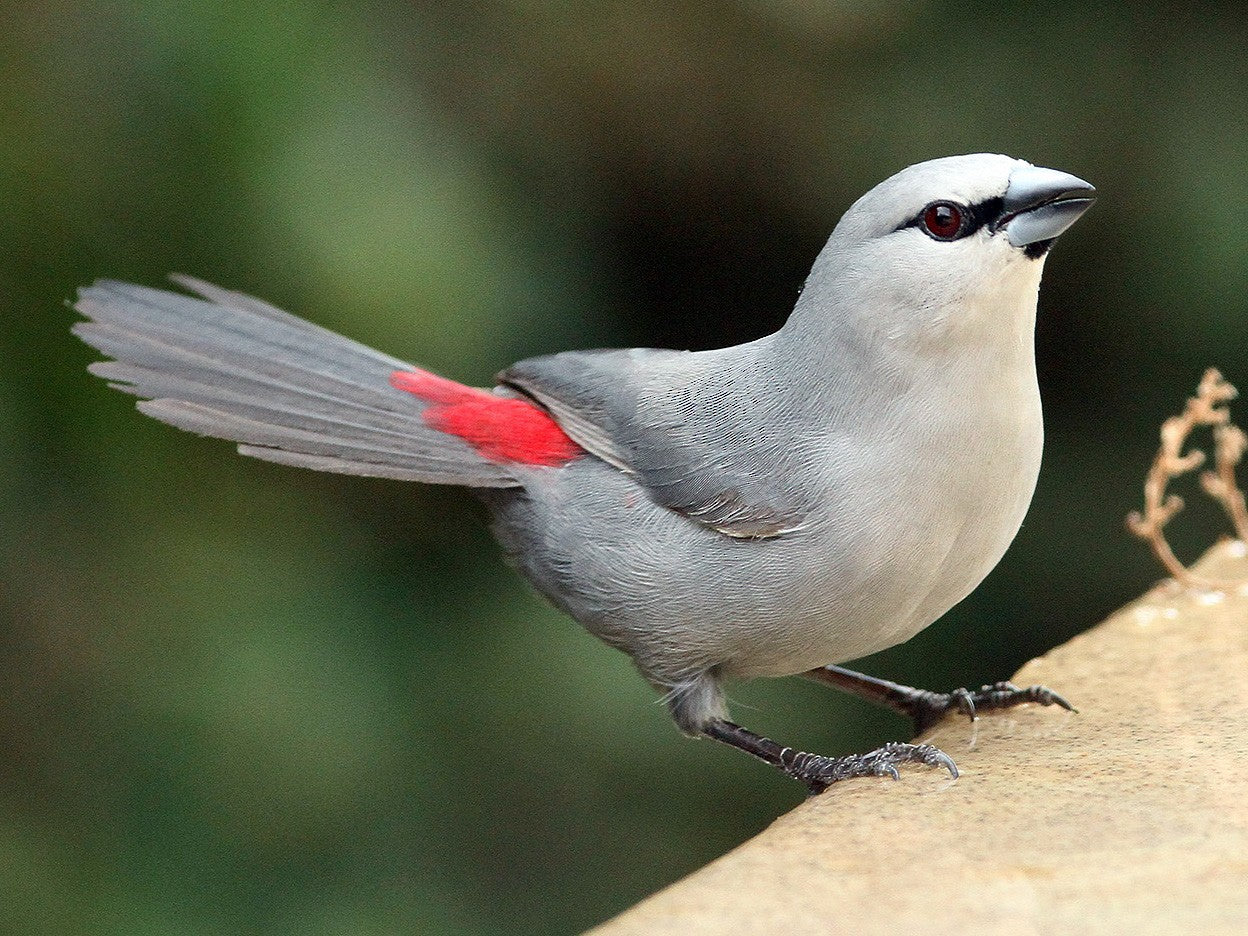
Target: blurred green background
242,699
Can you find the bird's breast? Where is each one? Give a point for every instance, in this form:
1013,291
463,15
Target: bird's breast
934,500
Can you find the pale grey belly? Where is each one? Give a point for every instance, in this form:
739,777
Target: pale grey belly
681,598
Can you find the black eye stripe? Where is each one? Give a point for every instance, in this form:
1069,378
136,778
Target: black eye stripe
977,215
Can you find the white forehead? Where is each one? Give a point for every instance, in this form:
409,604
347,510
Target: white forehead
967,180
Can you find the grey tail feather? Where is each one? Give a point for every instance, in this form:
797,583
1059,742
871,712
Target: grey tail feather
233,367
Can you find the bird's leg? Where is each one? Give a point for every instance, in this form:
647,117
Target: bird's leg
819,772
926,708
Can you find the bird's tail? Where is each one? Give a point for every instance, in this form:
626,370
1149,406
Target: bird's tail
234,367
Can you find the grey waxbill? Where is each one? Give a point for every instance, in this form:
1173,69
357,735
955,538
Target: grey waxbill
769,509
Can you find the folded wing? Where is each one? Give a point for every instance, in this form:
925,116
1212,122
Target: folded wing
686,425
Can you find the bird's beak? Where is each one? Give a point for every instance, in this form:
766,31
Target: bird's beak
1040,204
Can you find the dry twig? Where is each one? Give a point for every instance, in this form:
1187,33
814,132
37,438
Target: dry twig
1207,408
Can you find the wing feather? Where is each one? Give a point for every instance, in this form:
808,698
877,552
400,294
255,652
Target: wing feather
676,420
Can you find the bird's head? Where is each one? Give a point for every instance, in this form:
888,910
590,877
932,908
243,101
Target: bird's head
945,246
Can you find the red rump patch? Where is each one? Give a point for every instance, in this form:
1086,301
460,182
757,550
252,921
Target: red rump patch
503,429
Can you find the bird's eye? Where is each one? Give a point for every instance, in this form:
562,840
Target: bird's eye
944,221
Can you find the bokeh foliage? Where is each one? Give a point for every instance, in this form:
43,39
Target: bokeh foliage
245,699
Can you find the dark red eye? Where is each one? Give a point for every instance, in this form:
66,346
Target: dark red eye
943,220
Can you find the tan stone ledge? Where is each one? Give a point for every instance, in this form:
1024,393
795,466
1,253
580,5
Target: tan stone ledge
1130,817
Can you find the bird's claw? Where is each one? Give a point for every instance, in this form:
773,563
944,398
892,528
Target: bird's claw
818,772
964,701
927,708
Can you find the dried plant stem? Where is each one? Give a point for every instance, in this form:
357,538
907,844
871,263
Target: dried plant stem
1207,408
1229,445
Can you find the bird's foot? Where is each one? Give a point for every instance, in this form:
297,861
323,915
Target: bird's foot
926,708
819,772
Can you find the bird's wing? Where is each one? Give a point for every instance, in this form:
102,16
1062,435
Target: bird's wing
688,433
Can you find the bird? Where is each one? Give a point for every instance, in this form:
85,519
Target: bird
774,508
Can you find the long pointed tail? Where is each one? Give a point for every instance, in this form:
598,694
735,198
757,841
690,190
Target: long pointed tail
234,367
